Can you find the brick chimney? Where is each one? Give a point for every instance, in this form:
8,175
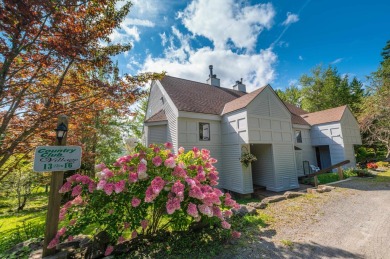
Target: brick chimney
213,80
239,86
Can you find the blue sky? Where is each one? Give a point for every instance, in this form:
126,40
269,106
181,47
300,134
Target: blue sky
262,42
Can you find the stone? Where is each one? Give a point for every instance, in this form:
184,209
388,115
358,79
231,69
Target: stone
290,195
97,247
273,199
257,205
69,244
244,210
321,186
311,190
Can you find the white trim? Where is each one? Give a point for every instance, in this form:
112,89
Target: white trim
168,98
202,116
154,123
299,126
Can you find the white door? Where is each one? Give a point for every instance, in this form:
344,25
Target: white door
298,161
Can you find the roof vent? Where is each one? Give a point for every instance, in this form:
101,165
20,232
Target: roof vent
213,80
239,86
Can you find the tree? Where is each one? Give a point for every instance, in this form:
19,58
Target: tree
375,117
326,89
50,52
137,123
292,95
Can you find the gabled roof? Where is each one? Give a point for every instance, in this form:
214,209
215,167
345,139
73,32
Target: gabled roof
295,114
158,116
325,116
242,101
198,97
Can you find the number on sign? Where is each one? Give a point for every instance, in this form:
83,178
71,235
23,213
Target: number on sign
68,165
47,166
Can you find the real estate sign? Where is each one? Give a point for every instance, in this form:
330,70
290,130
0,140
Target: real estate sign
57,158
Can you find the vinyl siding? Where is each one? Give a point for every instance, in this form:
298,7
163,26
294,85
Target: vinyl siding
285,168
157,134
155,103
307,150
263,172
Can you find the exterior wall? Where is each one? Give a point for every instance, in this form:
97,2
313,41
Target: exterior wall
263,172
269,122
157,134
285,169
233,135
189,137
159,100
351,136
307,151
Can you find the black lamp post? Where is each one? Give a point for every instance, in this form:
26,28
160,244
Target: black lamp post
61,131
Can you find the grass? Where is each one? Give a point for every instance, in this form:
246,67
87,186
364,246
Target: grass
16,227
287,243
383,177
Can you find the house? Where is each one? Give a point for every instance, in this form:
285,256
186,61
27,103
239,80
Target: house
229,121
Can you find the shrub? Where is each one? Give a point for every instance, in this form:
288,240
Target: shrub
382,164
145,192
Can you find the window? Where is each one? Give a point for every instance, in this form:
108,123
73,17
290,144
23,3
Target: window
204,131
298,136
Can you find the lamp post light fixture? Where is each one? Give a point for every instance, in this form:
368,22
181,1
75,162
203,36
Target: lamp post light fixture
61,131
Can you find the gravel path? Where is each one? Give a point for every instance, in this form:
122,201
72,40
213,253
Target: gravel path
352,221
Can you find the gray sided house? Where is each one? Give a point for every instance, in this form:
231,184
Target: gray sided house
229,122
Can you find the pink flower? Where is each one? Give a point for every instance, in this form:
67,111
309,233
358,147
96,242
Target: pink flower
204,209
149,194
121,239
236,234
172,205
227,213
157,161
196,192
168,145
213,160
225,225
192,210
77,190
66,187
77,201
61,232
157,184
133,177
119,186
100,167
217,212
170,162
108,250
211,198
72,222
70,238
179,172
108,173
126,225
91,187
181,150
108,188
72,178
101,184
201,176
178,188
144,224
135,202
134,234
156,150
142,175
190,182
229,202
53,243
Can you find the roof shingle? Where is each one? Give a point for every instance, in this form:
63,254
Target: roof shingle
241,102
158,116
198,97
325,116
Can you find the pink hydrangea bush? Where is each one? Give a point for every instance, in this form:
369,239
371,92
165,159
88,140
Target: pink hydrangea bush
133,196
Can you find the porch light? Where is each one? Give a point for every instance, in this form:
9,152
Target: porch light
61,131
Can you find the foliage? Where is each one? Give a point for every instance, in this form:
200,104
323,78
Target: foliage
375,116
292,95
382,164
137,122
145,192
52,54
326,89
247,158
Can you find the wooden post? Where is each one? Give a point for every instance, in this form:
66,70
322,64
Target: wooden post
316,181
53,208
340,171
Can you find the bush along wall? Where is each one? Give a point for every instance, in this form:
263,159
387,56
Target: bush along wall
148,191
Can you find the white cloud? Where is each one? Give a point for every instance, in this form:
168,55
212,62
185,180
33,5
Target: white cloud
224,20
291,18
125,35
300,57
185,62
139,22
164,39
336,61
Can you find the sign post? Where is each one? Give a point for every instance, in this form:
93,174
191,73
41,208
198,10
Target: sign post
53,208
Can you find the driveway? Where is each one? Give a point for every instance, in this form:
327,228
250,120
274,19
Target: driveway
352,221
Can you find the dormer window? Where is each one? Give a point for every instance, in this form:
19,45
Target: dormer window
204,131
